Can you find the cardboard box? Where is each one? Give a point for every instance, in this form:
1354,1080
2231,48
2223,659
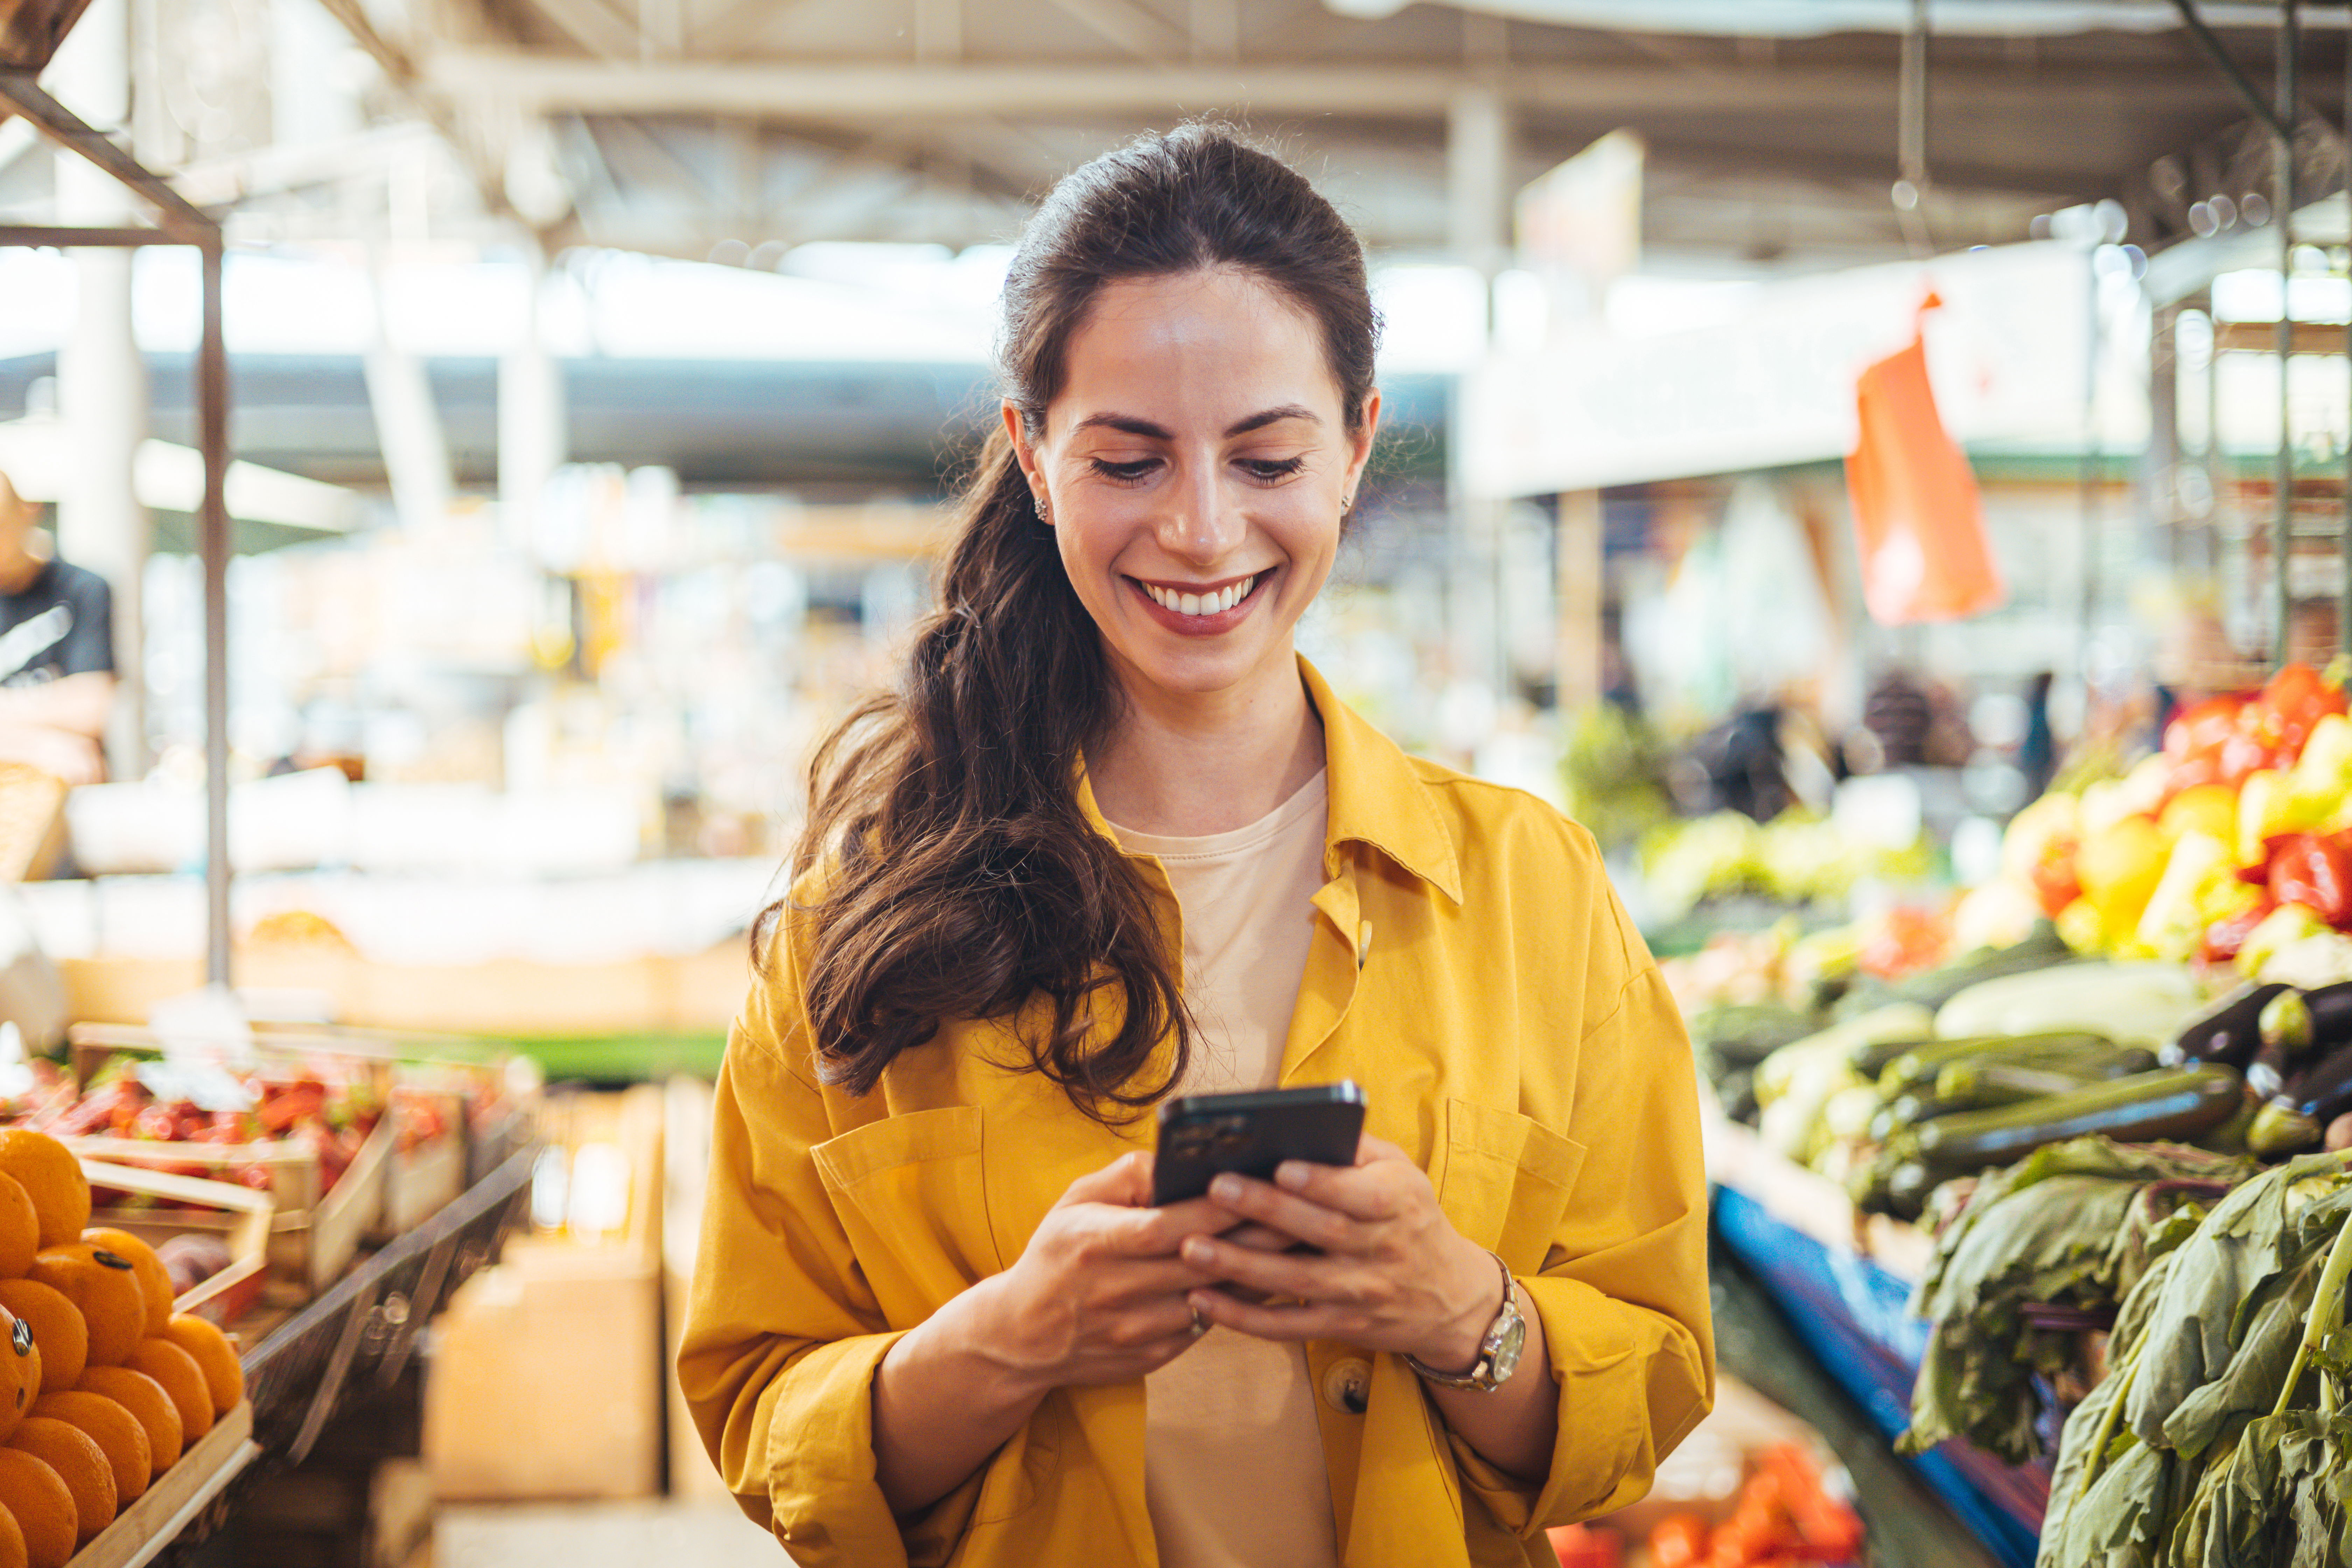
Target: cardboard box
545,1379
546,1374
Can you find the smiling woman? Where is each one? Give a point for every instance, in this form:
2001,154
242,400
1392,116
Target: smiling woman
1113,839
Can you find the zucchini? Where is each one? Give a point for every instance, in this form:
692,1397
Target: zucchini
1911,1108
1998,1080
2169,1103
1919,1066
1743,1033
2134,1003
1871,1057
2005,1083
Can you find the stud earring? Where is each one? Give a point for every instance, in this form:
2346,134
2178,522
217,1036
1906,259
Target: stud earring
1039,503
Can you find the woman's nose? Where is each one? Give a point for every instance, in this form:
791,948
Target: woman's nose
1201,523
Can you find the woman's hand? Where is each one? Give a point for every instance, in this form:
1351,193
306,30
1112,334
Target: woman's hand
1390,1272
1099,1294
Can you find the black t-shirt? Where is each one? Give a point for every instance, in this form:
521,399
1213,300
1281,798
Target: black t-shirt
61,624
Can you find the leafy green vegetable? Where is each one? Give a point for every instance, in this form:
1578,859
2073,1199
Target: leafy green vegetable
2224,1436
2073,1225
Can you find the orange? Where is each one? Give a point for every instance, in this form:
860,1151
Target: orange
20,1370
59,1332
224,1375
149,1406
20,1228
154,1279
104,1288
52,1178
182,1379
38,1499
79,1462
115,1430
11,1542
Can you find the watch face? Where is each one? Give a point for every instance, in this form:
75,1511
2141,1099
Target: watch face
1506,1359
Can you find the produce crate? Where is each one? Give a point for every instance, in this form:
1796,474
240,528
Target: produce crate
239,1214
166,1508
317,1228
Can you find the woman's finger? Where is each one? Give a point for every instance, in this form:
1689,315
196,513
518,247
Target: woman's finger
1126,1181
1311,1322
1289,1213
1304,1274
1376,1192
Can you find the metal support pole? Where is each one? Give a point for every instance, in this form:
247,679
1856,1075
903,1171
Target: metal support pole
2283,186
182,224
2221,62
212,413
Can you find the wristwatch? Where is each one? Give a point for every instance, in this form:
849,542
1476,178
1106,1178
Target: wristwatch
1498,1352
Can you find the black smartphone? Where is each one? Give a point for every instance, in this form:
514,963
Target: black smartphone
1201,1136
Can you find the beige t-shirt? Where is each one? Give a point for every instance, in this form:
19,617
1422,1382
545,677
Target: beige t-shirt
1232,1456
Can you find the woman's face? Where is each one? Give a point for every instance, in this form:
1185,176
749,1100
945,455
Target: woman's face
1196,465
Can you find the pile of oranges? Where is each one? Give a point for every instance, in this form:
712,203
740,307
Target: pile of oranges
101,1385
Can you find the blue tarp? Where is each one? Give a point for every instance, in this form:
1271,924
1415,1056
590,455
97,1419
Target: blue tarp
1853,1317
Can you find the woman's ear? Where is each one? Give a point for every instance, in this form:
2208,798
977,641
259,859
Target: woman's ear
1367,430
1022,454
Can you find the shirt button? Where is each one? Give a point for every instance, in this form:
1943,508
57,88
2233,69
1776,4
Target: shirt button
1348,1386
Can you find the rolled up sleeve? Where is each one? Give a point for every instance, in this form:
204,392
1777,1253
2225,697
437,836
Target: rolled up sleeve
1622,1295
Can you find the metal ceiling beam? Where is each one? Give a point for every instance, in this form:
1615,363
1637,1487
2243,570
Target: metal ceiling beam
865,89
175,212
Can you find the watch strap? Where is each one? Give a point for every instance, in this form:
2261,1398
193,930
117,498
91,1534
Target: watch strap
1481,1375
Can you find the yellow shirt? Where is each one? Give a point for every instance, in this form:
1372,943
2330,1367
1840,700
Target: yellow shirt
1473,972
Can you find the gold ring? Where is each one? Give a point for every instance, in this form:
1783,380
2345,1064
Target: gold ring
1198,1328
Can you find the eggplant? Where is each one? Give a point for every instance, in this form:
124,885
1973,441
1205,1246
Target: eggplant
2297,1116
2170,1102
2226,1033
2331,1013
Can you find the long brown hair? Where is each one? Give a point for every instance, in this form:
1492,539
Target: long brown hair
959,879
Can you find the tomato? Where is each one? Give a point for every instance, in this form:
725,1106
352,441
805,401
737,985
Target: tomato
1678,1541
2198,732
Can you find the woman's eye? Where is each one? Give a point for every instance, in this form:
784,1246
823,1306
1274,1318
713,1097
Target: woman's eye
1271,469
1125,473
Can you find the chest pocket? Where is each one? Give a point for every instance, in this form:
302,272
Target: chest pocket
1504,1181
908,1194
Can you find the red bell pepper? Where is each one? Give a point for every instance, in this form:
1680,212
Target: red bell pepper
2314,871
2199,730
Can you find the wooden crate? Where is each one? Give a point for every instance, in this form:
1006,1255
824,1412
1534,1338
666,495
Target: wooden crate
313,1236
158,1515
239,1214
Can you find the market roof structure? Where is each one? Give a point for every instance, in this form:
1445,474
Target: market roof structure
739,128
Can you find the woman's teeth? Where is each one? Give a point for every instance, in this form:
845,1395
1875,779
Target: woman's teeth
1223,599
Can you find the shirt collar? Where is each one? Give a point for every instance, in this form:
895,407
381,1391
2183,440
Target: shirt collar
1376,796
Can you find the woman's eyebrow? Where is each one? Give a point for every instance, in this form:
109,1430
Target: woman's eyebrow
1273,416
1133,425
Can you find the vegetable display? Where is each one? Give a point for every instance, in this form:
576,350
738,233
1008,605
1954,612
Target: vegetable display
2039,1250
2221,1434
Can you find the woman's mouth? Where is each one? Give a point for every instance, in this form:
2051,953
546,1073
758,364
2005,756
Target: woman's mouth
1209,604
1197,612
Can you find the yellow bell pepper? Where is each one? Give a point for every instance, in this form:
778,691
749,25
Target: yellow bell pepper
2120,869
2210,810
2199,873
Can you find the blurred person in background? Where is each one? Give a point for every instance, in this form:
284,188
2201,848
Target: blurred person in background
1112,839
57,651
